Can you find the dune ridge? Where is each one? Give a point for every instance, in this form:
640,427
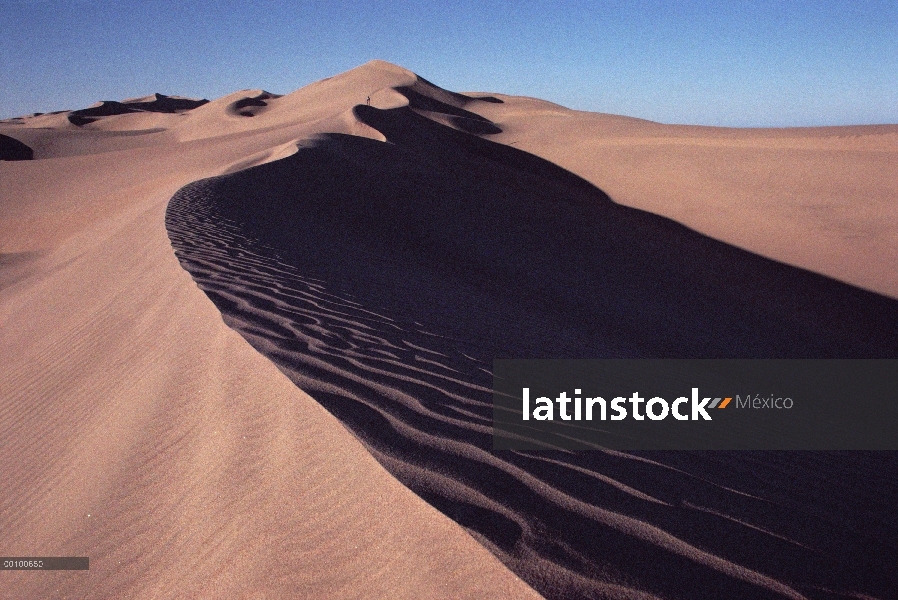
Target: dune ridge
137,429
383,277
107,108
378,258
820,198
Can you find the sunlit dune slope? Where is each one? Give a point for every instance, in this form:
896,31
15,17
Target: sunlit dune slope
139,430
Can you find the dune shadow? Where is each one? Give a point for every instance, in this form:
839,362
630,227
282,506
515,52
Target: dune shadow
383,279
160,104
436,220
248,107
419,101
13,149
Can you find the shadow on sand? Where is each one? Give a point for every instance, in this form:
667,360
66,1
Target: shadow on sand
383,278
13,149
107,108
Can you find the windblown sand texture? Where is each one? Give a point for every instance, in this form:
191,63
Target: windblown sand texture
377,259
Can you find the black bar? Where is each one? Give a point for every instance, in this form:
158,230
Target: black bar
44,563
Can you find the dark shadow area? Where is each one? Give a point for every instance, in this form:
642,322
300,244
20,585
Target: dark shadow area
245,107
438,219
108,108
490,99
474,126
383,278
248,102
13,149
455,96
419,101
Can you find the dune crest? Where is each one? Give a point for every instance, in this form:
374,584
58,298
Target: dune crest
137,429
383,278
820,198
314,420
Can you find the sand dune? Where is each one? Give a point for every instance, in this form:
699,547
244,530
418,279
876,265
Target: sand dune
453,221
821,198
159,104
383,279
377,259
139,430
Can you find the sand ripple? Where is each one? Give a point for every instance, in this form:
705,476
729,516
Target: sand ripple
324,287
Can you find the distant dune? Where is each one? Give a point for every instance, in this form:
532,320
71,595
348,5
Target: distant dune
377,258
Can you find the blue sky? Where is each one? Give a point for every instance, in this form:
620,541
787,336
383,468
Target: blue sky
760,63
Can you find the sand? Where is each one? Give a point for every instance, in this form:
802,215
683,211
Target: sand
822,198
139,430
246,345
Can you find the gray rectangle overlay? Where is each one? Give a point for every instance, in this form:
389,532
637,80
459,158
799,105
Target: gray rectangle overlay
696,404
44,563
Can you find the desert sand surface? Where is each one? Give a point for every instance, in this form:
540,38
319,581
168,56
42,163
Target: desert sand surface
247,345
821,198
139,430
